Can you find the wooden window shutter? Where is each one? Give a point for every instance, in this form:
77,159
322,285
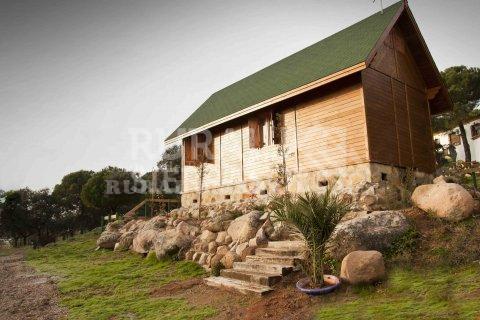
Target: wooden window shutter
255,136
189,158
211,148
278,123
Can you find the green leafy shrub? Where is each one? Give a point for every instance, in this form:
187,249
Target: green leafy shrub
315,216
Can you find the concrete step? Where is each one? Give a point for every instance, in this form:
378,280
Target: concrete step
294,245
268,259
263,268
264,279
237,285
277,252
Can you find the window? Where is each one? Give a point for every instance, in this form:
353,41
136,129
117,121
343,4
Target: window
475,130
455,139
263,129
198,147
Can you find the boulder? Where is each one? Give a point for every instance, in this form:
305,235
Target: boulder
248,251
363,267
187,229
212,247
229,259
189,254
171,242
374,231
259,239
268,228
108,239
203,258
239,249
133,225
221,237
439,179
208,236
243,228
218,222
216,259
114,226
222,250
144,240
449,201
125,241
155,223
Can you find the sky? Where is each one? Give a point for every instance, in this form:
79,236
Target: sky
89,83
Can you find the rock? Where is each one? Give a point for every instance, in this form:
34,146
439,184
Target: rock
268,228
212,247
144,240
228,239
203,258
114,226
196,256
222,250
155,223
375,231
439,179
125,241
132,225
208,236
221,237
239,249
363,267
187,229
208,260
248,251
449,201
217,223
189,255
229,259
171,242
216,259
243,228
108,239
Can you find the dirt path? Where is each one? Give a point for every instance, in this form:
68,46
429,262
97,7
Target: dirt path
26,294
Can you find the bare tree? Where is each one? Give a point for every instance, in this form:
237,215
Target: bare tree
283,176
202,170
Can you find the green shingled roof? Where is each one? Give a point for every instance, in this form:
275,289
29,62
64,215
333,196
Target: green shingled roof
335,53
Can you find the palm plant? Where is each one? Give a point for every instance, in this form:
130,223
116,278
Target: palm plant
315,216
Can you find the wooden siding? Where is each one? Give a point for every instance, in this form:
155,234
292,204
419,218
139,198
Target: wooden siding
331,130
396,106
231,156
261,163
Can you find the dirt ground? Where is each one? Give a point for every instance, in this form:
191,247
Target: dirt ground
26,294
284,303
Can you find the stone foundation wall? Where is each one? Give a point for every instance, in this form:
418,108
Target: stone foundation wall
370,186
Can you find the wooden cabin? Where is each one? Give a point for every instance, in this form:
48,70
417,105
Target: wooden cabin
355,106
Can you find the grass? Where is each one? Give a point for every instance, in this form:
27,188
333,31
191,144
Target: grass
443,293
114,285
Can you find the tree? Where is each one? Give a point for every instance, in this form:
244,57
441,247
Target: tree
282,177
67,194
202,170
112,190
169,170
463,85
15,216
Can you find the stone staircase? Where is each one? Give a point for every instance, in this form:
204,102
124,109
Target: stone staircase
261,271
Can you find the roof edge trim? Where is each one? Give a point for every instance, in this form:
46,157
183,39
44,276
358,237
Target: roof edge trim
289,94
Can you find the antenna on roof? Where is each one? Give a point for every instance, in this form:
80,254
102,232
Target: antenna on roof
381,5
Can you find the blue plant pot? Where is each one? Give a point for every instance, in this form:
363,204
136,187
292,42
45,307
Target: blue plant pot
331,281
